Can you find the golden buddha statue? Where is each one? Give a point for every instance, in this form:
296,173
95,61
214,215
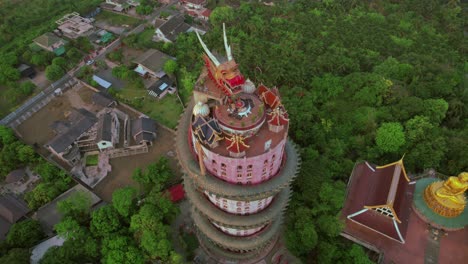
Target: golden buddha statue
447,198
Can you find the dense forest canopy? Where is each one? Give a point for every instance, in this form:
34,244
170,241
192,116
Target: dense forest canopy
21,21
361,80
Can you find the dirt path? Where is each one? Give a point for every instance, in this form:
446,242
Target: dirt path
75,99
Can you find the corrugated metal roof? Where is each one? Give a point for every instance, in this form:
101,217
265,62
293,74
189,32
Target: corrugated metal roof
102,82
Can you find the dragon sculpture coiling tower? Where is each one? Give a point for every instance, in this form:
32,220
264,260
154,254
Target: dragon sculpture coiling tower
232,143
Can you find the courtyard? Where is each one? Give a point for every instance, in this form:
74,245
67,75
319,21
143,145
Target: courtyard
123,168
37,131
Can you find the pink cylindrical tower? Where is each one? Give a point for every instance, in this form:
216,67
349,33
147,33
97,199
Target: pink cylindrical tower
232,143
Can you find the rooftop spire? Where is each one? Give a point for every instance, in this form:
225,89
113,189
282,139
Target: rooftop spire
226,45
207,51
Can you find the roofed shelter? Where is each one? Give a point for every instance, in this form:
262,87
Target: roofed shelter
12,209
144,130
52,43
161,87
15,176
381,203
151,62
169,31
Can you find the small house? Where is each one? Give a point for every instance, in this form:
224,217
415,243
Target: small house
169,30
15,176
26,71
193,4
144,130
103,99
151,63
12,209
107,135
52,43
160,88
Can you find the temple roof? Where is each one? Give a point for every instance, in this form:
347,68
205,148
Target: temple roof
278,117
236,144
268,97
206,129
381,203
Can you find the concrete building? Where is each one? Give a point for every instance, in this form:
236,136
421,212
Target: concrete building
64,144
193,4
73,26
238,168
119,5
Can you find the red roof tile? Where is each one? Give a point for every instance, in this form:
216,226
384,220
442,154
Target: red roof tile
177,192
268,97
381,188
278,117
236,144
206,13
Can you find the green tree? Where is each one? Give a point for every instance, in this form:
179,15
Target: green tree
156,245
301,236
74,54
26,154
156,175
8,74
24,234
104,221
54,72
6,136
390,137
170,66
27,88
392,68
41,194
16,256
435,109
76,206
39,59
123,200
59,61
68,228
118,249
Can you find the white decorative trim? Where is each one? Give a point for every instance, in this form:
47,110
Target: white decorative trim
370,167
398,231
385,235
413,182
357,213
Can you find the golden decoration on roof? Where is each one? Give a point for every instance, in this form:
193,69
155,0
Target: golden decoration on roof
236,143
447,198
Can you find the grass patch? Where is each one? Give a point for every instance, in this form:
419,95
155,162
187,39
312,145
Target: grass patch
92,160
166,111
11,99
116,19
